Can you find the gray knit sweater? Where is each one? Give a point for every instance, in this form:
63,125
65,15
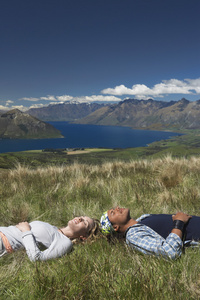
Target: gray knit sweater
42,234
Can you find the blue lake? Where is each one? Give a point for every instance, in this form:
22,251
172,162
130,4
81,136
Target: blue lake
91,136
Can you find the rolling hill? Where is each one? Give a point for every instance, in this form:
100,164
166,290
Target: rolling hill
16,124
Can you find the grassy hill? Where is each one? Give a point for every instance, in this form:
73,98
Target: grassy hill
100,270
15,124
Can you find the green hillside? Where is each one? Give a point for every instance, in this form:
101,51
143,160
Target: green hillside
15,124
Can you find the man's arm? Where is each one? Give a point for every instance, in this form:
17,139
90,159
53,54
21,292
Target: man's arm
180,216
146,240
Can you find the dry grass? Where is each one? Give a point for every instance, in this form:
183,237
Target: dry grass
100,270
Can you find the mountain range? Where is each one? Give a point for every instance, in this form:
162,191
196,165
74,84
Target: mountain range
149,114
64,111
138,114
16,124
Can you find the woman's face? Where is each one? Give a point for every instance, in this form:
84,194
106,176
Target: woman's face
81,226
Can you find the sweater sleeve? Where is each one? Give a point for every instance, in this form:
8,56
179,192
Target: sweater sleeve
58,247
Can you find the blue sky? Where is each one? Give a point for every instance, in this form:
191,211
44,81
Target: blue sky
54,51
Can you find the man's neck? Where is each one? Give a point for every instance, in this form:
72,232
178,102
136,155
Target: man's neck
130,222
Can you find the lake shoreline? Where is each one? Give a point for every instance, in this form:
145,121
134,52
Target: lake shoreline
89,136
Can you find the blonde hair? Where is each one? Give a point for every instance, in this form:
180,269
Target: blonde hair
92,234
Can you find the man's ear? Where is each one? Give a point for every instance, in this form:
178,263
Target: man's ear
83,238
116,227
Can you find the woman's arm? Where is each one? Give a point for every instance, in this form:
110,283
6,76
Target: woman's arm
23,226
59,246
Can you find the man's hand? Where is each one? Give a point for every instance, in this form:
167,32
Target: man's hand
181,216
23,226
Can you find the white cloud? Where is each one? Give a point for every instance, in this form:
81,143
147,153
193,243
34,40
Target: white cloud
20,107
139,91
30,99
122,90
8,102
3,107
195,84
95,98
64,98
48,98
67,98
55,103
6,108
172,86
39,105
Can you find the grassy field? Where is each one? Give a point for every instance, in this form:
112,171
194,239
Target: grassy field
100,270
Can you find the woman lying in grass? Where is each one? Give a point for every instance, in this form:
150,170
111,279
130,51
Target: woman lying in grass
57,242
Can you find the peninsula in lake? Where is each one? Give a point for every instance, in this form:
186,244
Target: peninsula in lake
15,124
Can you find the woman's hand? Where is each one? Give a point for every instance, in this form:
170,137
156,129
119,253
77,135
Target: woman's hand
23,226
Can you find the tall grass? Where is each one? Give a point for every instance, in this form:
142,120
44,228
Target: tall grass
100,270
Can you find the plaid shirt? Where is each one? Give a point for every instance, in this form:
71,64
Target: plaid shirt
146,240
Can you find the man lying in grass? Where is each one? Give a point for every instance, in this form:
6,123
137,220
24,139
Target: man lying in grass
159,234
56,242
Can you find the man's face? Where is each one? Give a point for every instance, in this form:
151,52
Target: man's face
119,216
